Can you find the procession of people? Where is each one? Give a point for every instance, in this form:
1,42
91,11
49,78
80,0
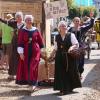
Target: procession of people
21,51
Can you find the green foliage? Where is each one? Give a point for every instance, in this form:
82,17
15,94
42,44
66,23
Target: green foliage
70,3
79,11
86,12
95,13
75,11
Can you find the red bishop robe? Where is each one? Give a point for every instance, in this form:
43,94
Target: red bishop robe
31,42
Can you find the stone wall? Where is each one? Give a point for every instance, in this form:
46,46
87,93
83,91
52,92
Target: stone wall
32,7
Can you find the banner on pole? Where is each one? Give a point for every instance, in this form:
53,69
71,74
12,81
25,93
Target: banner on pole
56,9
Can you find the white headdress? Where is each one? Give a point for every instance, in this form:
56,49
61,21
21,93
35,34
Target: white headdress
29,17
19,14
62,23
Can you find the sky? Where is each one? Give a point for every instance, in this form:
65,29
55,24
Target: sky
84,2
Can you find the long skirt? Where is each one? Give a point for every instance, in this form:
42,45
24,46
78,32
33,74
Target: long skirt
13,57
81,64
27,75
27,71
66,76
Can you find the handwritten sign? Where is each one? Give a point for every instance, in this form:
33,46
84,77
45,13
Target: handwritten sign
56,9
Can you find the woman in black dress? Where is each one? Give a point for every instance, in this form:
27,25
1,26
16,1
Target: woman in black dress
66,76
79,31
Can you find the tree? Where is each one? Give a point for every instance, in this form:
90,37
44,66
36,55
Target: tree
86,12
70,3
75,11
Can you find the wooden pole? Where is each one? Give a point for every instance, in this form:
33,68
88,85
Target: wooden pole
47,31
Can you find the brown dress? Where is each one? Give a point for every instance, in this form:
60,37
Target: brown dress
66,77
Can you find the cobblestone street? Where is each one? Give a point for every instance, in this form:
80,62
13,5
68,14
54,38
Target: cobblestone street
90,90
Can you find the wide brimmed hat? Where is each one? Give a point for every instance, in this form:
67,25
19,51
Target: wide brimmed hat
10,16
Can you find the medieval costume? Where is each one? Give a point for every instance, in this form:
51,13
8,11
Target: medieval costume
29,43
80,35
13,60
66,76
66,72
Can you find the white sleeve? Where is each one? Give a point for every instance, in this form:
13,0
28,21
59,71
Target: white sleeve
20,50
74,40
55,45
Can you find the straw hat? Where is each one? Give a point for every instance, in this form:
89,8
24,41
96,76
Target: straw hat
9,16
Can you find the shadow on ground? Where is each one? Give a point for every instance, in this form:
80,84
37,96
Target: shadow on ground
92,61
10,86
92,80
42,97
5,80
14,93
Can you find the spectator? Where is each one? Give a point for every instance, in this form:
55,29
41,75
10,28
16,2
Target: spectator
97,29
6,41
